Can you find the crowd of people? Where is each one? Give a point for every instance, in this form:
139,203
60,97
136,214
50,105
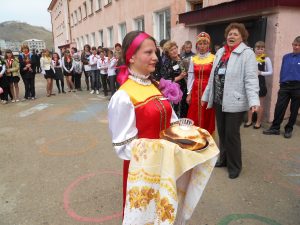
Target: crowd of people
220,87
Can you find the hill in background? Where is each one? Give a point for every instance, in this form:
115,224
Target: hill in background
17,31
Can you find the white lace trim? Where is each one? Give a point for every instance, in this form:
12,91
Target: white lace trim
201,56
140,79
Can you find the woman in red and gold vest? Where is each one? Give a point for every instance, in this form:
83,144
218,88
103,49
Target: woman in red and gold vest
198,75
138,109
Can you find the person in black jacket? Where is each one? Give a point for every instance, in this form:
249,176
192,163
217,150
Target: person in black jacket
173,69
27,69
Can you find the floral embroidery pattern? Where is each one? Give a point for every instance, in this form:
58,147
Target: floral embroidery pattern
139,198
165,210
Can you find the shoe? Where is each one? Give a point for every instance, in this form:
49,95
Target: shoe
4,102
92,92
271,132
53,94
64,92
256,127
13,101
97,92
247,124
233,175
73,90
220,164
288,134
17,100
33,98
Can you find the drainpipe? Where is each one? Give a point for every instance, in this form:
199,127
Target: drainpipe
53,50
69,23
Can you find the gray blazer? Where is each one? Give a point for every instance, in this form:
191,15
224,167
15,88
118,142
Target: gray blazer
241,81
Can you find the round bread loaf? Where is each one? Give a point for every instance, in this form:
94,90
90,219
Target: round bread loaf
192,138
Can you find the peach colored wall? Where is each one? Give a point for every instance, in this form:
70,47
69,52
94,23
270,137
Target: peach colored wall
281,31
61,33
130,9
207,3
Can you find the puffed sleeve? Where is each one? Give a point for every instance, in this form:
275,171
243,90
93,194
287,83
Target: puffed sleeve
122,123
191,77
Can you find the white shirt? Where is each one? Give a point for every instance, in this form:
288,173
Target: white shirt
111,71
59,64
93,60
122,122
103,65
46,63
268,68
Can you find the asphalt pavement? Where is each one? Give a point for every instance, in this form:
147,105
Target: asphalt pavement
58,168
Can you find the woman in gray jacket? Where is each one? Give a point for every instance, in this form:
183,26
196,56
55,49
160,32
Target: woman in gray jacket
232,90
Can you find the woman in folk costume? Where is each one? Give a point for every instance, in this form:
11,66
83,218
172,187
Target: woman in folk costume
138,109
198,76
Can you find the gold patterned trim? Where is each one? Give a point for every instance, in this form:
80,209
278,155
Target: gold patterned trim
125,142
148,100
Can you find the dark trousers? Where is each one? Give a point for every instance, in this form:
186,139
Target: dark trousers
104,83
29,87
77,80
4,84
62,83
95,80
112,84
228,125
287,92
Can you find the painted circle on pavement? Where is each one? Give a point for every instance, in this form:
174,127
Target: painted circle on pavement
233,217
73,185
91,142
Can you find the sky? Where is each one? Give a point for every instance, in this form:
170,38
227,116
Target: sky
33,12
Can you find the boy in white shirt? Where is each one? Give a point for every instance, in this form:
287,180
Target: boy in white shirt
102,65
94,72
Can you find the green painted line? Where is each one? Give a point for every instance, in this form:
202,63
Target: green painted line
233,217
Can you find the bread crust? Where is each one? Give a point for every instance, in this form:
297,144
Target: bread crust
191,139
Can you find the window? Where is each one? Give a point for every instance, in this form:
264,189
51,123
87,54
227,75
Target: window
82,42
84,10
80,14
139,24
107,2
100,32
76,17
98,4
72,19
193,5
90,7
110,33
78,44
93,39
122,31
163,25
86,39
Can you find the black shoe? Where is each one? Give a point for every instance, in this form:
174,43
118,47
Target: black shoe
233,175
247,124
221,164
271,132
257,127
288,134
